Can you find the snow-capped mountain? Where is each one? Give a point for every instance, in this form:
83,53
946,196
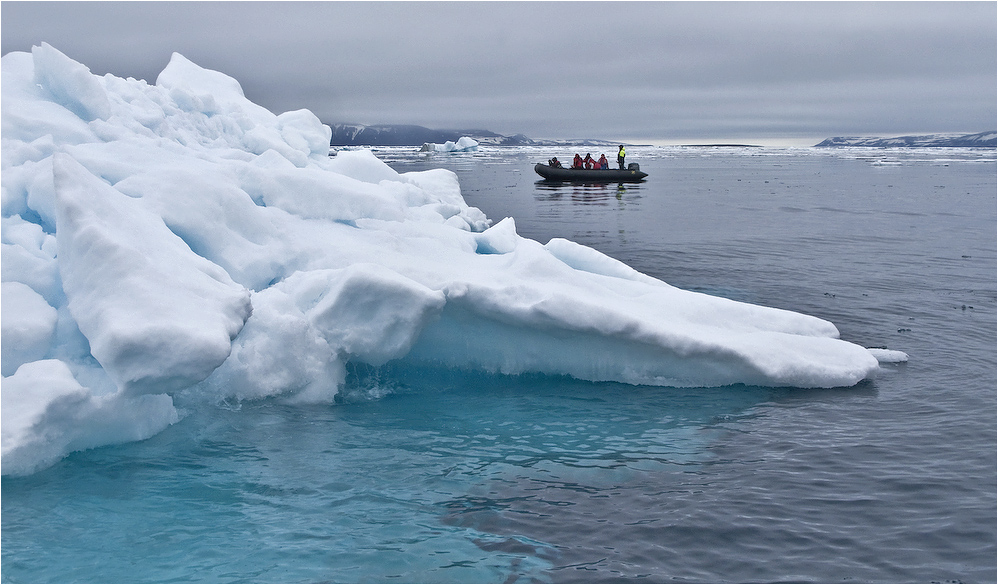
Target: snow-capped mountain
410,135
402,135
981,139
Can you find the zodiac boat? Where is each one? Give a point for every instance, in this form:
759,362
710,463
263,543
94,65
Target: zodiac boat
631,174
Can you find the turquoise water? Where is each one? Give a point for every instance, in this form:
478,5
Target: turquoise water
423,475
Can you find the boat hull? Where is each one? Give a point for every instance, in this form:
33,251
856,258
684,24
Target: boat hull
589,175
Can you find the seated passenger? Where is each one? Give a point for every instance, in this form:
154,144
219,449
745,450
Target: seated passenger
577,162
588,161
554,162
603,163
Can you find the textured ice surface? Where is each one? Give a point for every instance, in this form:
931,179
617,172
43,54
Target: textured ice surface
177,238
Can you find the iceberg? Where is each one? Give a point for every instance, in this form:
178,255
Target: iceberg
173,243
463,144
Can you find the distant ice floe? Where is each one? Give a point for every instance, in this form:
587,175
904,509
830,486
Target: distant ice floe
463,144
978,140
888,356
176,242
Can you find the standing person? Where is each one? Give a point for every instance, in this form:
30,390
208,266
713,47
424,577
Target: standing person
620,157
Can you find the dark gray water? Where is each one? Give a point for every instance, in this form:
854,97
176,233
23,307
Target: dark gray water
443,476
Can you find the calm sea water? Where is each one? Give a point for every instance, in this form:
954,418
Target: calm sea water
443,476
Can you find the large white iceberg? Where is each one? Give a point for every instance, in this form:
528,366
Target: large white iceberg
463,144
177,239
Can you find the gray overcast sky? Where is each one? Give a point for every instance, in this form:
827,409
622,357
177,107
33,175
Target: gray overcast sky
772,72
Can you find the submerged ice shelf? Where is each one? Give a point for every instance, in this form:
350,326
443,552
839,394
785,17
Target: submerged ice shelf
176,240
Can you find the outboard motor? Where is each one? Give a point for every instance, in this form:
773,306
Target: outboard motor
633,167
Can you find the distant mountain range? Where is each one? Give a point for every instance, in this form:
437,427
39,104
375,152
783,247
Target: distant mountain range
981,139
409,135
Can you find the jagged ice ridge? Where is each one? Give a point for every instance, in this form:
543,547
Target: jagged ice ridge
176,242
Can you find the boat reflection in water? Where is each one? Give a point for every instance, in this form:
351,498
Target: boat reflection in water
597,193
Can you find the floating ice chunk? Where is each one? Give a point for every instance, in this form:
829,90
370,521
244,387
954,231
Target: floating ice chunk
47,414
463,144
888,356
138,218
158,317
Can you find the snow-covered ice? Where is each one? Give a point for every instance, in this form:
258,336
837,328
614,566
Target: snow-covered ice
176,240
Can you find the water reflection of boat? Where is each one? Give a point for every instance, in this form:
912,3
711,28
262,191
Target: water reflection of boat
594,193
631,174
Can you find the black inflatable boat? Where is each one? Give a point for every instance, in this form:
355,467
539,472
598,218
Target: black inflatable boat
631,174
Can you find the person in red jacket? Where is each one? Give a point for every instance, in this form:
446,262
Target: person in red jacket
577,162
603,163
589,161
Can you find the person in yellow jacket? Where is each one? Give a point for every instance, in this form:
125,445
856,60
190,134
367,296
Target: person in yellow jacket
620,157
